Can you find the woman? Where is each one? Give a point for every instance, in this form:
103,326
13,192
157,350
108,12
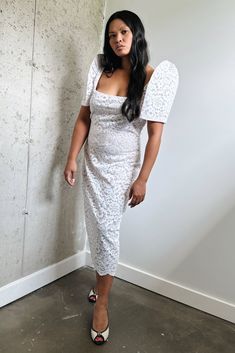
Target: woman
123,93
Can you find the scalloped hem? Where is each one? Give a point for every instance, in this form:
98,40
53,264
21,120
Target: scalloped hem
105,273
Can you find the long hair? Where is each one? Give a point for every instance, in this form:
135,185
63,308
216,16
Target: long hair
139,58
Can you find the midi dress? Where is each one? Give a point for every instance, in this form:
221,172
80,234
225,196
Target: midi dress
112,157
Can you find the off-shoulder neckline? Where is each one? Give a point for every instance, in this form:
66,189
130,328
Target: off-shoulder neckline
122,97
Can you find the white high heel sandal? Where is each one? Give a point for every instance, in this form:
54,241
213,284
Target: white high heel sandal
92,296
100,337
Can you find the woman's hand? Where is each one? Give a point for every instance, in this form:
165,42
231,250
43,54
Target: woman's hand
137,192
69,172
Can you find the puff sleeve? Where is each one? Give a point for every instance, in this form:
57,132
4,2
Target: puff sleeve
92,73
160,93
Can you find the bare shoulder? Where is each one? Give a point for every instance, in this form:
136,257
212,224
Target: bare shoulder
149,71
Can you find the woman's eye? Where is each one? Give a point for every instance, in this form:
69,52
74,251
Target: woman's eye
124,31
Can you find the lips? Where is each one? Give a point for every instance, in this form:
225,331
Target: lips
120,47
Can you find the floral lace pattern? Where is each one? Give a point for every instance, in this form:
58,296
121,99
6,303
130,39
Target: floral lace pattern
112,157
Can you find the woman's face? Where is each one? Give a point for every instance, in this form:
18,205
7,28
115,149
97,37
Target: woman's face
120,37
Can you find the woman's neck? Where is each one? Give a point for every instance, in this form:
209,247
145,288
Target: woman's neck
126,64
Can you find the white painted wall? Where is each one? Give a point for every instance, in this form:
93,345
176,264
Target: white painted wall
184,232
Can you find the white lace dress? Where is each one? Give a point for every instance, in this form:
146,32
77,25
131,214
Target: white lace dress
112,157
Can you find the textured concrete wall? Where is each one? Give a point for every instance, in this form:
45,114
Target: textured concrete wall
46,48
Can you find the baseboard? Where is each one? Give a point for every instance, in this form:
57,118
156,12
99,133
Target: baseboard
36,280
175,291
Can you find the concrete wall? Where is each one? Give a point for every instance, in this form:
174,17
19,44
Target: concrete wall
183,234
45,51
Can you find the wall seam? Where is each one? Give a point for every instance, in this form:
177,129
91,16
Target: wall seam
26,211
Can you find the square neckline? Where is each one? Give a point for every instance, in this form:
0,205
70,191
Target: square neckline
114,96
103,93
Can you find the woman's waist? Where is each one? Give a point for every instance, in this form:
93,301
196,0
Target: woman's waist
114,143
117,150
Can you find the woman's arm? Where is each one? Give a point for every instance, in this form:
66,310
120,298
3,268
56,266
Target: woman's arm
138,189
80,133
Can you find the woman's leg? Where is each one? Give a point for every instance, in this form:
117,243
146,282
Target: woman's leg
103,287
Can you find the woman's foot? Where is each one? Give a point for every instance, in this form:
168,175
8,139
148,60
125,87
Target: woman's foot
100,337
92,296
100,317
100,324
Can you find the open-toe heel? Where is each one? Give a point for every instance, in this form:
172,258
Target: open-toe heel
92,296
100,337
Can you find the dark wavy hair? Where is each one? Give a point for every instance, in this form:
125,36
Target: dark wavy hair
139,58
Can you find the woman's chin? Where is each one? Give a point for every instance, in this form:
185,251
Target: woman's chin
121,53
